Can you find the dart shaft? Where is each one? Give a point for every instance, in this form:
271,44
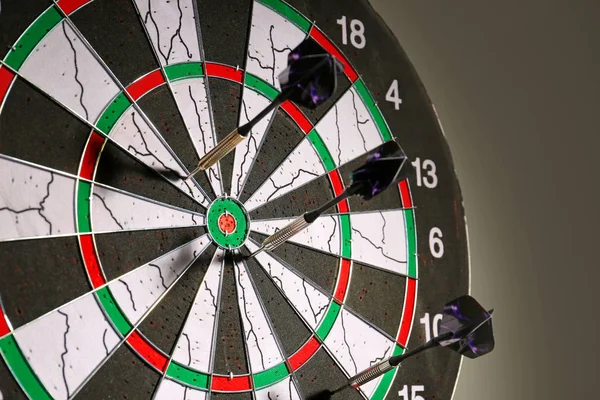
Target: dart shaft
279,237
370,373
219,151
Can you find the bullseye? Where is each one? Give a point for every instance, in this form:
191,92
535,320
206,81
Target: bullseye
227,223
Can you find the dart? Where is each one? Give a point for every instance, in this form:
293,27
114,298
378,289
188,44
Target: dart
381,169
466,328
309,79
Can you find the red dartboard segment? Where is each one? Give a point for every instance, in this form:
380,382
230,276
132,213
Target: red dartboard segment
320,37
223,71
405,194
304,354
68,6
90,259
344,278
338,187
6,79
4,328
90,156
222,383
298,116
145,84
147,351
408,313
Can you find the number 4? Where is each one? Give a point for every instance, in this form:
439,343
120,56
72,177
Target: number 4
393,95
413,392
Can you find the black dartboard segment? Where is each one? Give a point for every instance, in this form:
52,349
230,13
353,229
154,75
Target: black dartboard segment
117,271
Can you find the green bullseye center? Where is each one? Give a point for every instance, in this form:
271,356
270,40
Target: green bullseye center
228,223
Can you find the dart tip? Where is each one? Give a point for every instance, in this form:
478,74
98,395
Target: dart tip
255,253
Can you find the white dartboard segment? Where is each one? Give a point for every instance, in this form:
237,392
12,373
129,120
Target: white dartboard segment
139,290
300,167
262,346
377,238
272,37
191,96
63,67
171,390
196,343
309,302
348,129
77,338
133,134
357,346
34,202
114,211
323,234
171,26
245,153
284,390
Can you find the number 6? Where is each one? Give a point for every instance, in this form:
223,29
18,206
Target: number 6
436,246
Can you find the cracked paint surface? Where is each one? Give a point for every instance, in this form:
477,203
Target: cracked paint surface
195,346
355,345
284,390
271,39
171,390
171,26
113,211
34,202
309,302
323,234
75,79
133,133
245,153
300,167
263,349
191,96
139,290
378,238
348,129
77,338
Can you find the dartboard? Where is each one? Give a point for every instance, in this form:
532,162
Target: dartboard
122,279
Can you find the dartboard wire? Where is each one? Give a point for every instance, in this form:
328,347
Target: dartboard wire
208,96
323,291
105,285
245,341
120,191
10,86
364,262
109,320
135,326
313,331
213,354
302,141
243,86
188,315
133,101
5,318
172,91
304,138
95,128
268,319
273,114
247,142
334,214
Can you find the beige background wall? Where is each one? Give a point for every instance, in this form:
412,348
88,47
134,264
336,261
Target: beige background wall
517,86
